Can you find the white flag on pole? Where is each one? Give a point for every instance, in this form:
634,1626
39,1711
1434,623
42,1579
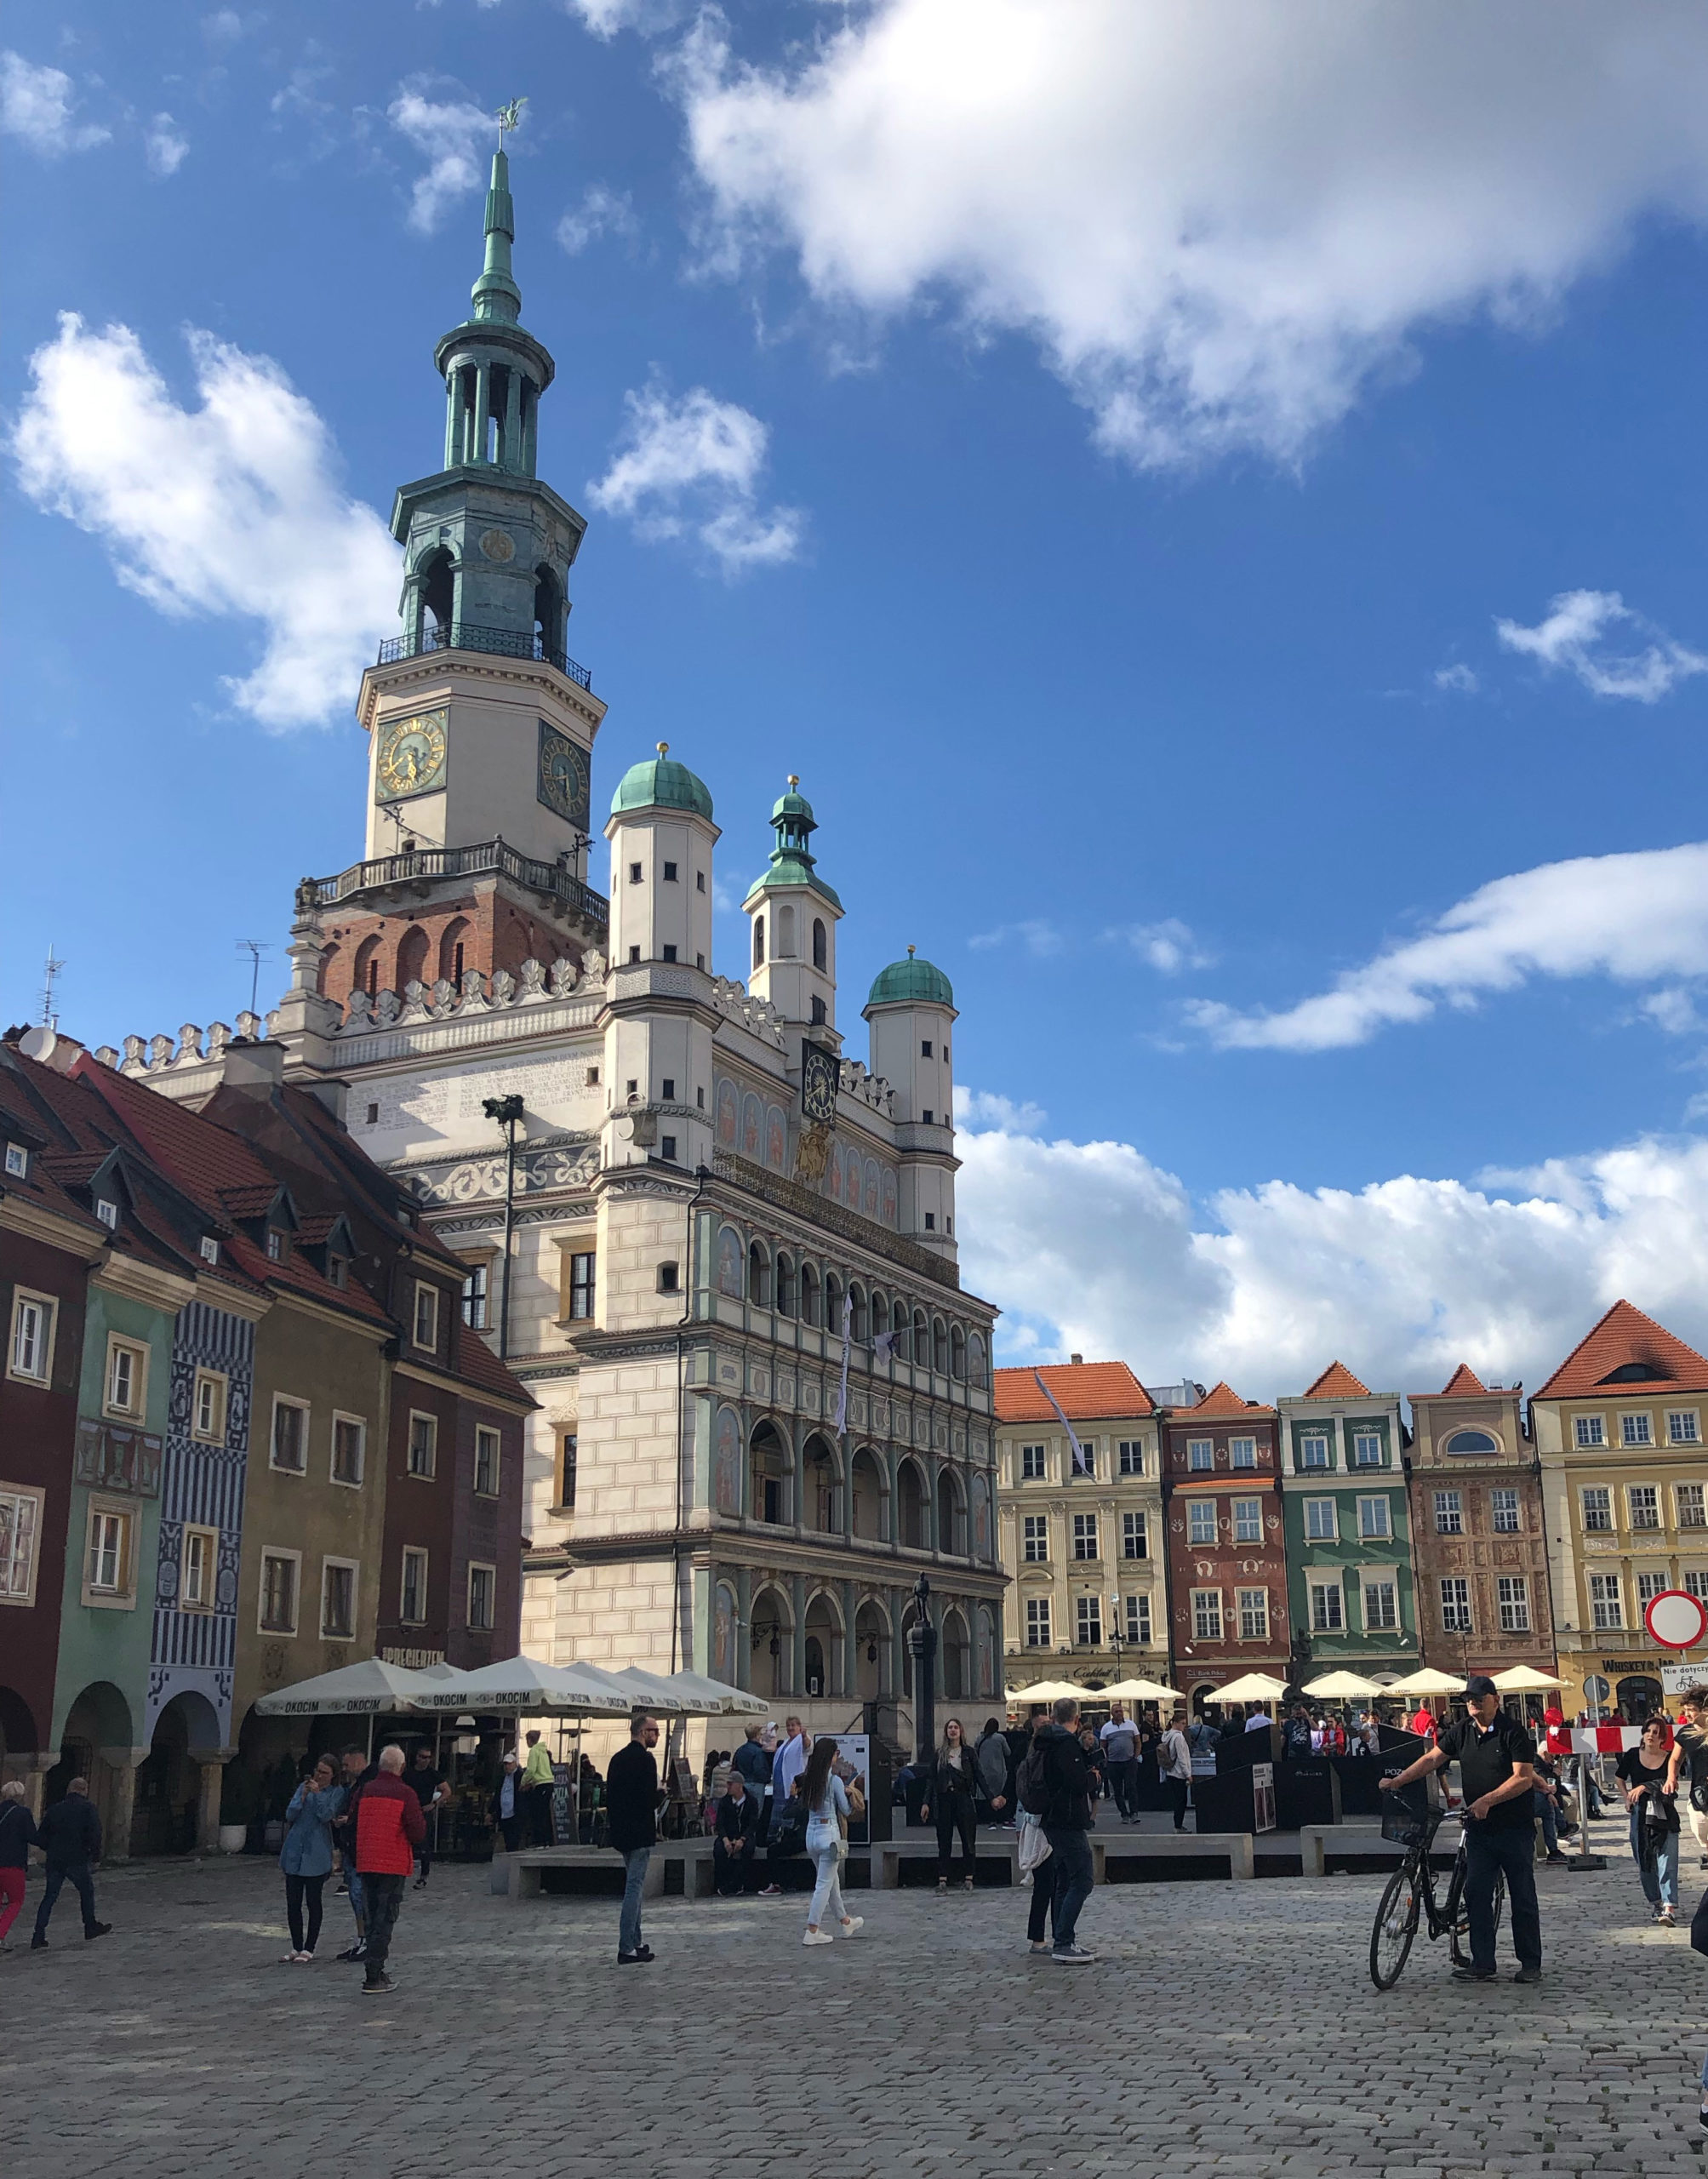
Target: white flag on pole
1082,1465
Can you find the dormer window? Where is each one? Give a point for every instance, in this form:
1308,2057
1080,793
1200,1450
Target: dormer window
426,1315
338,1271
107,1212
17,1162
210,1249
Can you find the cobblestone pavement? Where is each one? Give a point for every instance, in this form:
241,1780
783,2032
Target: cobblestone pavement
1230,2026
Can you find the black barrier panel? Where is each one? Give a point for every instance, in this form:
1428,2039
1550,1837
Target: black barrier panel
1306,1792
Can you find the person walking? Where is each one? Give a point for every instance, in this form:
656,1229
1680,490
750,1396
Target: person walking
306,1857
538,1779
994,1770
1643,1771
1496,1757
1031,1800
428,1782
69,1835
1067,1785
17,1836
506,1802
1175,1761
736,1827
1120,1739
358,1774
632,1813
827,1810
1688,1766
788,1761
390,1827
950,1794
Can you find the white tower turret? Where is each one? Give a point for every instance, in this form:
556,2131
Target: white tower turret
910,1009
793,915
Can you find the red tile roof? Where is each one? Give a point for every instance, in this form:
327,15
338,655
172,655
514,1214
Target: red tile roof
1336,1383
1223,1400
1088,1392
1623,1336
1463,1384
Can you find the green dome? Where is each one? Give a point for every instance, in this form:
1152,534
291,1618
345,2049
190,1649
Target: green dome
795,805
658,783
911,980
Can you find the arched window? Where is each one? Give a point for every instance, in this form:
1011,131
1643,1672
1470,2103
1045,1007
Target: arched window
785,1285
324,975
785,933
758,942
438,582
912,1522
975,1362
859,1321
768,1499
758,1275
548,611
822,944
821,1506
365,976
880,1316
729,1263
833,1304
412,958
870,1496
939,1346
809,1294
1472,1441
453,948
921,1341
957,1353
902,1347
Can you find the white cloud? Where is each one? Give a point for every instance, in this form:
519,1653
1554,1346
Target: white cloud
451,135
602,211
1636,918
234,508
1167,947
1457,681
983,1109
692,468
1673,1011
1573,638
36,104
605,18
1037,937
1218,236
167,146
1092,1249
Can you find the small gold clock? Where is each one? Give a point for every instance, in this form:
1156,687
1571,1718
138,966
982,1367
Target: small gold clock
412,756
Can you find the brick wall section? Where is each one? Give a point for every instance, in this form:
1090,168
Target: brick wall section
496,932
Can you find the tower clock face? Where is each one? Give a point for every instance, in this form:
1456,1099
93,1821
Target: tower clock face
563,780
412,756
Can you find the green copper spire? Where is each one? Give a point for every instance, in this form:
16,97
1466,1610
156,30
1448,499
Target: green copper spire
496,295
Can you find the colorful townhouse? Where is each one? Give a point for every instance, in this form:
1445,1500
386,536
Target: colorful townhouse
1226,1546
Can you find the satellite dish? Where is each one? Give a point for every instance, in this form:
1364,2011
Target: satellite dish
37,1042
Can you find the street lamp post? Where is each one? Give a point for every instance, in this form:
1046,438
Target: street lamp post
507,1112
922,1641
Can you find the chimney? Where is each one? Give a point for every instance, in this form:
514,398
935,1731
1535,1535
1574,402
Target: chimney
1076,1357
254,1069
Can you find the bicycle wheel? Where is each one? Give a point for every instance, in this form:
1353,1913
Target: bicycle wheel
1396,1926
1459,1915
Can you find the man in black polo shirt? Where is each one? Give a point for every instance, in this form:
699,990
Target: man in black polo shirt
1494,1755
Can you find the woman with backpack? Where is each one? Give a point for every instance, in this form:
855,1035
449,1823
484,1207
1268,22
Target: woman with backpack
951,1789
826,1804
1643,1771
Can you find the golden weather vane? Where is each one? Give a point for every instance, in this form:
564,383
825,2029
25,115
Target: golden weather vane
509,117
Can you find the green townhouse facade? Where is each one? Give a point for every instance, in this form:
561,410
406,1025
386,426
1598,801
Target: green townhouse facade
1348,1529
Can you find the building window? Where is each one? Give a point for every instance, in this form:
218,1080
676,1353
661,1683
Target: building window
278,1591
1374,1522
426,1316
1087,1469
337,1600
670,873
1320,1523
1200,1521
20,1523
634,873
1513,1594
1691,1514
1607,1607
1450,1513
127,1378
290,1435
1313,1449
1038,1622
1682,1427
1648,1587
29,1354
1031,1463
1325,1608
486,1448
1254,1614
196,1569
1201,1455
275,1245
1367,1448
1139,1619
1636,1430
474,1298
1248,1520
17,1162
1085,1535
667,1148
1206,1614
1242,1452
424,1444
207,1407
1034,1538
583,1285
1088,1622
1696,1582
412,1595
349,1448
1589,1430
1129,1455
109,1553
1597,1504
567,1494
1644,1501
1455,1605
1503,1505
107,1211
1381,1607
1135,1541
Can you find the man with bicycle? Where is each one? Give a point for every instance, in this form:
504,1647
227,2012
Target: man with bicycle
1496,1756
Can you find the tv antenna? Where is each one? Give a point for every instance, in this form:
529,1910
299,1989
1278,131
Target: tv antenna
50,970
255,950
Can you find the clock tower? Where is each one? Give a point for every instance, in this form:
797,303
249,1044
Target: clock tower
480,724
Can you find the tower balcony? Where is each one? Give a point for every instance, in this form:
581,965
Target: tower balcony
498,643
416,871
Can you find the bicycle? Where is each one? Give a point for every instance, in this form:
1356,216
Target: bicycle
1409,1895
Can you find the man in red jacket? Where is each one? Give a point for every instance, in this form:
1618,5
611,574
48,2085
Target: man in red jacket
389,1828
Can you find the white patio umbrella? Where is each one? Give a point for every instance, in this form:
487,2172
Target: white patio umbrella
1525,1680
1429,1681
1048,1691
662,1693
1255,1687
534,1687
731,1702
1140,1690
1342,1687
362,1691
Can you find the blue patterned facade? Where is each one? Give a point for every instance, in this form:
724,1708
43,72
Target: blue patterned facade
193,1652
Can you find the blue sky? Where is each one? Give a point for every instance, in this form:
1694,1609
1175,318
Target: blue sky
1101,462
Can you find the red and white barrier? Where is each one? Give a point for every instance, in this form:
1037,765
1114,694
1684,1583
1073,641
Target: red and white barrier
1607,1740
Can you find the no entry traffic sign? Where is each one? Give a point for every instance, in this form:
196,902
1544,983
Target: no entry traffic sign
1676,1620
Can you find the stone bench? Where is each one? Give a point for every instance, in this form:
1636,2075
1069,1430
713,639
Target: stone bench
1235,1847
888,1854
525,1872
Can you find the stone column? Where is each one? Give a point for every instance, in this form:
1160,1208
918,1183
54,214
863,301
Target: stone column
482,411
797,1637
213,1770
743,1627
894,1676
120,1799
512,434
850,1686
32,1770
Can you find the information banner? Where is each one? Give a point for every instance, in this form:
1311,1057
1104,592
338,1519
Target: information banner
1263,1796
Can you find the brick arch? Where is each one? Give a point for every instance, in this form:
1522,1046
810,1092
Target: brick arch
331,967
456,949
412,958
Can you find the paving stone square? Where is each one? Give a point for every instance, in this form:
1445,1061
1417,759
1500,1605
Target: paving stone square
1226,2026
